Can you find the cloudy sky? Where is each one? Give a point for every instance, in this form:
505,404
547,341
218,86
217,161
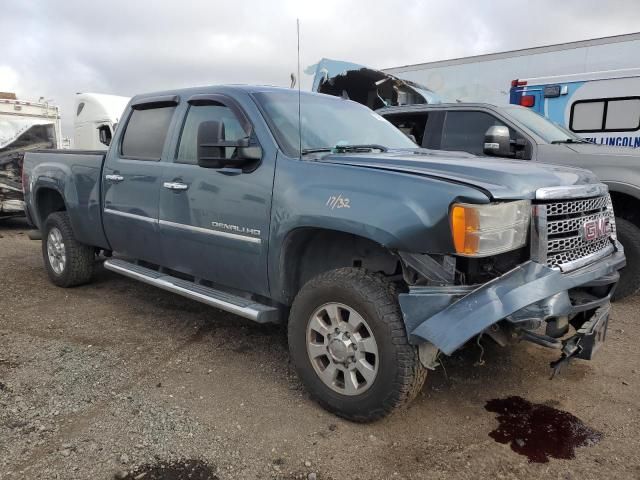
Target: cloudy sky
57,48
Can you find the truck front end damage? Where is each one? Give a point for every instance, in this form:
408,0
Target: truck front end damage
554,291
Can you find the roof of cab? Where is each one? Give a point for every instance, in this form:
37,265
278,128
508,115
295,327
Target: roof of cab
420,107
239,88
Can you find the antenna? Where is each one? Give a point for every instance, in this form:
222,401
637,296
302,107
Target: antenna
299,81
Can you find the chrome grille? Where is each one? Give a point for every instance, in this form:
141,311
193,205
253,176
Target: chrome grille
561,225
563,258
577,206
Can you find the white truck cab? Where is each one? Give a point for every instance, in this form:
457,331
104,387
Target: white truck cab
96,118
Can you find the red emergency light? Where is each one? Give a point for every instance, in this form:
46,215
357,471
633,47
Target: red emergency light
518,83
527,100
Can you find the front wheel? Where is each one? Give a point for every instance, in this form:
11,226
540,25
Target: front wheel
349,345
68,262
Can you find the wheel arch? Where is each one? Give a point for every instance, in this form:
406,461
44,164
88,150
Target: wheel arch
47,201
310,251
626,205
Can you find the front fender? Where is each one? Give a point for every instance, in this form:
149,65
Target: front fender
399,211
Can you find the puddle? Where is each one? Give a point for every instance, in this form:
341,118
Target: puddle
537,431
179,470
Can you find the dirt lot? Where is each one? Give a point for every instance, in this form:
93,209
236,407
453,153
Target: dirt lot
98,381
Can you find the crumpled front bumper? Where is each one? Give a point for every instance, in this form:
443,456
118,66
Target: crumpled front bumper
449,316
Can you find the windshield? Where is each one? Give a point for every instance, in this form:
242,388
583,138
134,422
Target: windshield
326,122
541,126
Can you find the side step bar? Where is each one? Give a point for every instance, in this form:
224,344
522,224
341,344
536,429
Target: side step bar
224,301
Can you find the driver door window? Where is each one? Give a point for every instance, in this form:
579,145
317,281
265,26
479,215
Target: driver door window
188,147
464,131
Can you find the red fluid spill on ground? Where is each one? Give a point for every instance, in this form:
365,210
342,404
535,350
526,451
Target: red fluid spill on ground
539,431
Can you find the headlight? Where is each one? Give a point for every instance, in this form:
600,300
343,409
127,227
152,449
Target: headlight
484,230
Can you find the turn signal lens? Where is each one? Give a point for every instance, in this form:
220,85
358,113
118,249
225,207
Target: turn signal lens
484,230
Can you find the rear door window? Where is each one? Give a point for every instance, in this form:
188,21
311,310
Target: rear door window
146,132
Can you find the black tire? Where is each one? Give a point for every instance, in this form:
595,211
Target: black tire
629,237
78,265
400,374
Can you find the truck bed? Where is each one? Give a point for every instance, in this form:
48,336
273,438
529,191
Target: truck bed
75,176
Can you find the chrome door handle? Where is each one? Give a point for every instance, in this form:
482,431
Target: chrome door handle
175,185
114,178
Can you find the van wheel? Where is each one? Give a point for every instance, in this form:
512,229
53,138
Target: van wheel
629,236
348,343
67,261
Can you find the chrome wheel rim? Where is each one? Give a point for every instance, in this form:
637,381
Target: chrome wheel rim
55,251
342,349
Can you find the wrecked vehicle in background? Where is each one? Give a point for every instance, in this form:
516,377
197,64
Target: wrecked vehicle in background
372,88
24,126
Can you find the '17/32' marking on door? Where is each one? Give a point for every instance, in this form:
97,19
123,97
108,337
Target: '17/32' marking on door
338,202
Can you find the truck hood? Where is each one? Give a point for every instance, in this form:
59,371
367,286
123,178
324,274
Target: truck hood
500,179
367,86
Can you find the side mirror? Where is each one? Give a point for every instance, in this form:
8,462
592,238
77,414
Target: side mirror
215,152
497,142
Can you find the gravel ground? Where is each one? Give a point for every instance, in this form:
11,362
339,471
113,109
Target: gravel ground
117,379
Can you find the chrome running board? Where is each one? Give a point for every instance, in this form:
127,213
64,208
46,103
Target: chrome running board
224,301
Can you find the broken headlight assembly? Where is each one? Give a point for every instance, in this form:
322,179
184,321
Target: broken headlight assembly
484,230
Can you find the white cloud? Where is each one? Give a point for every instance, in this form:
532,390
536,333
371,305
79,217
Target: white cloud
9,79
55,49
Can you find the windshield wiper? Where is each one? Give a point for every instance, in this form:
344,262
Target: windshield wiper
358,148
570,140
306,151
345,149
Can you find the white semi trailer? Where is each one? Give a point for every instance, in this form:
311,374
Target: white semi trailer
487,78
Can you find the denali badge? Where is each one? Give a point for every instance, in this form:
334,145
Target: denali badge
236,229
595,229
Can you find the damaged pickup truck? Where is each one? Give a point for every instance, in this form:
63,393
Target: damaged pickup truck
380,256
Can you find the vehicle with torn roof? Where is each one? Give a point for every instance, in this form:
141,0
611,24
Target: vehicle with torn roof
24,126
380,256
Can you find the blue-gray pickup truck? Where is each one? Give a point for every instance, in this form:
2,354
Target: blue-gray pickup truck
379,255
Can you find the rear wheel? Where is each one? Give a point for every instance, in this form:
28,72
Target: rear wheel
629,236
349,345
68,262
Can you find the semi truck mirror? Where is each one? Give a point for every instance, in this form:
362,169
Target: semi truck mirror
497,142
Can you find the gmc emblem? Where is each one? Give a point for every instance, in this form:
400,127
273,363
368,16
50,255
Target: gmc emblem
595,229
